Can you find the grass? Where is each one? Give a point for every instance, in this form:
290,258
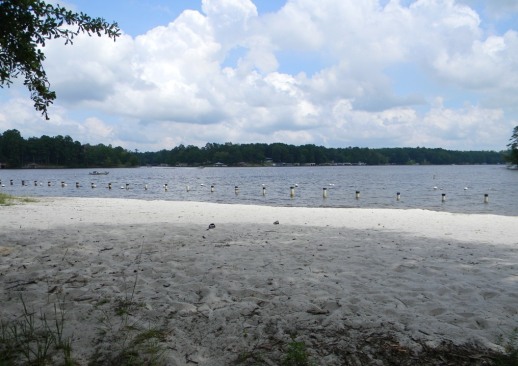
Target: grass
511,348
7,200
35,340
296,355
125,337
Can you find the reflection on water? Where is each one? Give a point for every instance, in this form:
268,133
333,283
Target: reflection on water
419,186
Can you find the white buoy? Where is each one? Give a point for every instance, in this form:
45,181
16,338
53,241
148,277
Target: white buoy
145,187
486,198
398,196
465,188
435,188
296,185
324,193
292,191
187,188
357,195
443,197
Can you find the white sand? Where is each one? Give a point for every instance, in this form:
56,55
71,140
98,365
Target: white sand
322,275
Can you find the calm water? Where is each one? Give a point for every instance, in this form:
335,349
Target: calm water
419,186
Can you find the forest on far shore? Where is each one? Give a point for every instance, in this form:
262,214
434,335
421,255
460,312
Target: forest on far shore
64,152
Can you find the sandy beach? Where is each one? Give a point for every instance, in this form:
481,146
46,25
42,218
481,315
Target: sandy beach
355,286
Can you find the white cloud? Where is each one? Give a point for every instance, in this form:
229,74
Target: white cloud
96,127
175,84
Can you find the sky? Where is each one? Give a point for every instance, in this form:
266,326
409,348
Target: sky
337,73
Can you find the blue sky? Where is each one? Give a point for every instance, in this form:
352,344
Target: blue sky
370,73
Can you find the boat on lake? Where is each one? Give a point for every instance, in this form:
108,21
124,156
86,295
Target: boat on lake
95,172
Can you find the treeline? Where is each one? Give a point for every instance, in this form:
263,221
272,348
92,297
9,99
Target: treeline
278,153
59,151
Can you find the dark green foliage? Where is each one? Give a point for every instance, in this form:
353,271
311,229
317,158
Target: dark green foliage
25,26
512,155
278,153
59,151
296,355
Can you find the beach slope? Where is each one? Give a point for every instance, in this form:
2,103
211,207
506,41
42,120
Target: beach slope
350,286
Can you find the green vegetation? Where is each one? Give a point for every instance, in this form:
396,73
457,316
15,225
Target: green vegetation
6,199
59,151
25,27
512,154
296,355
38,339
35,340
510,344
125,336
64,152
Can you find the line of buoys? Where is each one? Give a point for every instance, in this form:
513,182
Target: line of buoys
325,191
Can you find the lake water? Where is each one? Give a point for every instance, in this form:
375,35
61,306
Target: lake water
419,186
